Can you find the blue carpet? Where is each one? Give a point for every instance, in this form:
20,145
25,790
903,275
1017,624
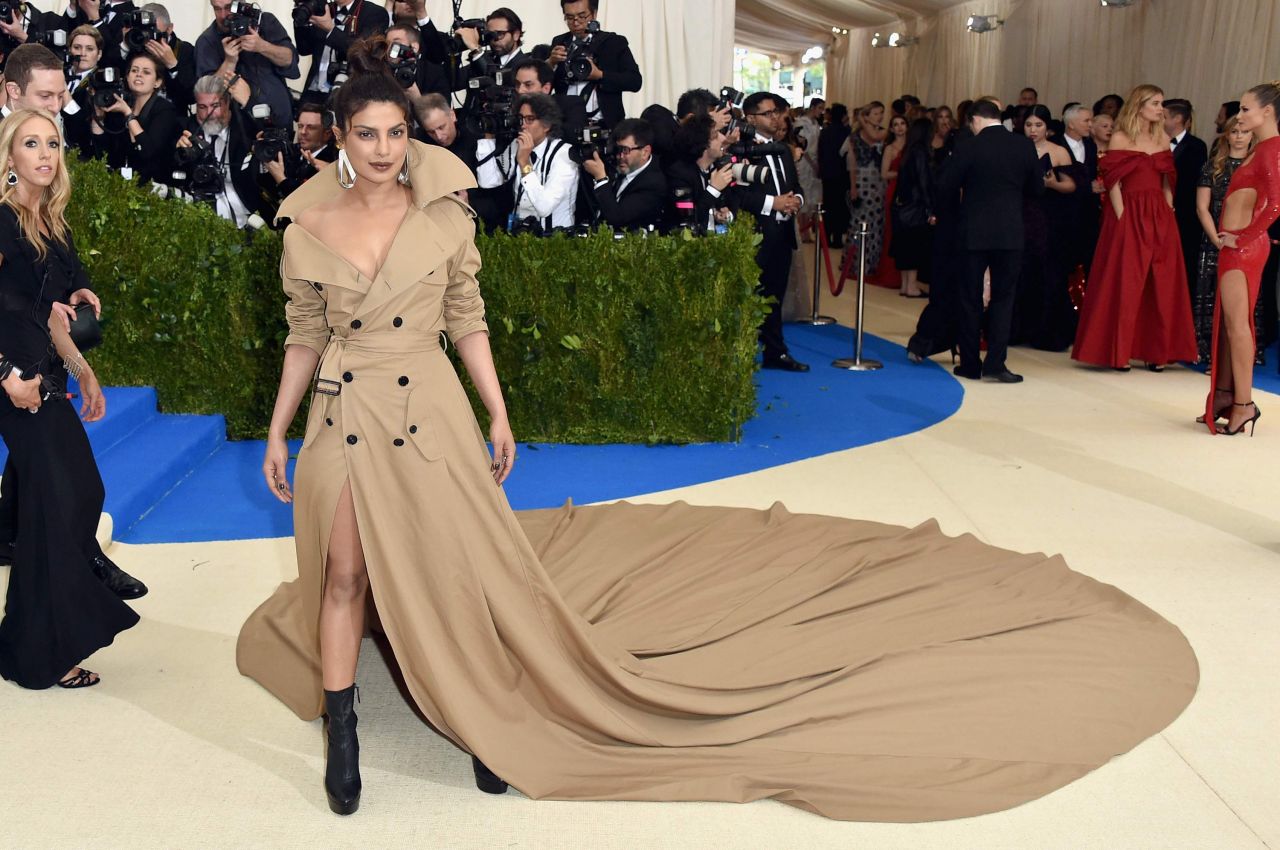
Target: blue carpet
1265,378
799,416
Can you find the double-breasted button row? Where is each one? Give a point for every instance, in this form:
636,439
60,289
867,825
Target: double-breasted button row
357,325
397,322
404,381
352,439
348,377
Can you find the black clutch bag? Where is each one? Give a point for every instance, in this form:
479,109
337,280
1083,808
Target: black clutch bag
86,333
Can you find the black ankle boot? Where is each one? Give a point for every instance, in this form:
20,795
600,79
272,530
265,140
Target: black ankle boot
342,764
486,780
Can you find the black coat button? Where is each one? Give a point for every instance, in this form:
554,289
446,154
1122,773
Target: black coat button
317,286
397,321
398,441
413,429
328,422
348,377
404,382
352,439
357,325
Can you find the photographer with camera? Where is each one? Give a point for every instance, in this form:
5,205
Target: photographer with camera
592,64
533,76
289,165
537,166
140,129
150,30
636,196
774,201
700,177
18,24
325,31
84,53
440,126
409,65
490,50
245,40
215,152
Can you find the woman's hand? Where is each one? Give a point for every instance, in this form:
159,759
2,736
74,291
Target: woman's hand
93,405
504,450
87,296
24,394
119,106
273,469
1227,240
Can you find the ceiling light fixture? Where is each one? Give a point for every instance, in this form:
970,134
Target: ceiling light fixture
983,23
893,39
1116,3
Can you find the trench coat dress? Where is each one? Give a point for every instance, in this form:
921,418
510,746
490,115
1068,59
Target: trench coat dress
672,652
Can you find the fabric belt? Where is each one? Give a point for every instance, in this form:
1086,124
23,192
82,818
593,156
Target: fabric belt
329,373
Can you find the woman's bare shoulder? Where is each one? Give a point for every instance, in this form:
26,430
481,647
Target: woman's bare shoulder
322,217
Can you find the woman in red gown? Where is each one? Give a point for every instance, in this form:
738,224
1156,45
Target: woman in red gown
1252,205
1137,305
890,163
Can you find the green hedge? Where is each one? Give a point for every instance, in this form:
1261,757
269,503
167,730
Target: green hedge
648,340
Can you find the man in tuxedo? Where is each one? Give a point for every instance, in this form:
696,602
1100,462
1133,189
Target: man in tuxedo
775,206
613,67
1189,156
698,195
432,78
993,172
223,121
634,198
315,148
327,38
533,76
503,52
440,126
1086,217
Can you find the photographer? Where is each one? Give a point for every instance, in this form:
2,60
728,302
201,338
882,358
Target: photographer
84,53
312,148
434,48
440,126
264,56
138,131
500,50
177,58
533,76
327,36
429,77
593,65
221,137
635,197
537,166
701,194
775,204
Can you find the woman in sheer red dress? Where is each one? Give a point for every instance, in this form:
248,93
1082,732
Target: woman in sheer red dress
1137,305
890,164
1252,205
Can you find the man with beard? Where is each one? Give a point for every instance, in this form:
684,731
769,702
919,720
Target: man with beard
222,122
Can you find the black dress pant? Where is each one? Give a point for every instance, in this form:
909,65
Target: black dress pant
774,259
1005,267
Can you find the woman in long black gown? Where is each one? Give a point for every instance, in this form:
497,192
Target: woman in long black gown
57,611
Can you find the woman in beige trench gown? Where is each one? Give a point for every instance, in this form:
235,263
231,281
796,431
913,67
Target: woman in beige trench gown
857,670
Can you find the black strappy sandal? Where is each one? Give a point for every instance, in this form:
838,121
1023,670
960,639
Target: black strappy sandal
1219,412
83,679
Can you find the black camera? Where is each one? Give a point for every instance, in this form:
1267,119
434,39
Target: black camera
245,16
493,112
578,65
731,98
339,73
105,86
9,10
55,40
454,43
747,158
596,139
528,225
142,28
199,173
274,142
404,64
304,10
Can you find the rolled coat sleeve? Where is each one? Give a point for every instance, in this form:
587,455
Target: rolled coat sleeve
463,305
305,314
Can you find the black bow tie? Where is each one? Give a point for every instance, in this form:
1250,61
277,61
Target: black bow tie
1176,142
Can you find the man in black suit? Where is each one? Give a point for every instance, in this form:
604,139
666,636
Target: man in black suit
432,78
223,121
698,195
993,172
1085,217
327,38
1189,156
775,206
613,68
440,126
635,197
505,33
533,76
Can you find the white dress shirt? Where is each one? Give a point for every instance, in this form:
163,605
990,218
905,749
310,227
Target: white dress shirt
1076,146
576,89
550,190
626,179
1177,140
229,204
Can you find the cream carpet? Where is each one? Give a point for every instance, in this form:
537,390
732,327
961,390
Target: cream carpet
176,750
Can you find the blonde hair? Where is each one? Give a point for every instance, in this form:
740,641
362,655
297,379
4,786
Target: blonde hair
1222,150
88,30
1130,121
51,211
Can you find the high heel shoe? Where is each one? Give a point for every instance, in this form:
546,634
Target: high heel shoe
486,780
1251,421
1218,412
342,763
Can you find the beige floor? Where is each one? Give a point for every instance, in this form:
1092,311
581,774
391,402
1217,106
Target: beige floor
175,750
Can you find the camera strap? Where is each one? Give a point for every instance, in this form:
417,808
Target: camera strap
544,174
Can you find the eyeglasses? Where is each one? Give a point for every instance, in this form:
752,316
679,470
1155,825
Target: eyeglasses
767,113
580,16
627,150
526,120
499,33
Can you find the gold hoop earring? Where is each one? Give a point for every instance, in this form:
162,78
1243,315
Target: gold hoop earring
346,173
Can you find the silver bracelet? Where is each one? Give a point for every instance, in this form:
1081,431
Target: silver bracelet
75,367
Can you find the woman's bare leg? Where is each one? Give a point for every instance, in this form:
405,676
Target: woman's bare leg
1235,366
342,608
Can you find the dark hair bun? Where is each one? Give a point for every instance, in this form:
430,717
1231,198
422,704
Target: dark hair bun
368,56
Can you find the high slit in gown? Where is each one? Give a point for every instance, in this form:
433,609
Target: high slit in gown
670,652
